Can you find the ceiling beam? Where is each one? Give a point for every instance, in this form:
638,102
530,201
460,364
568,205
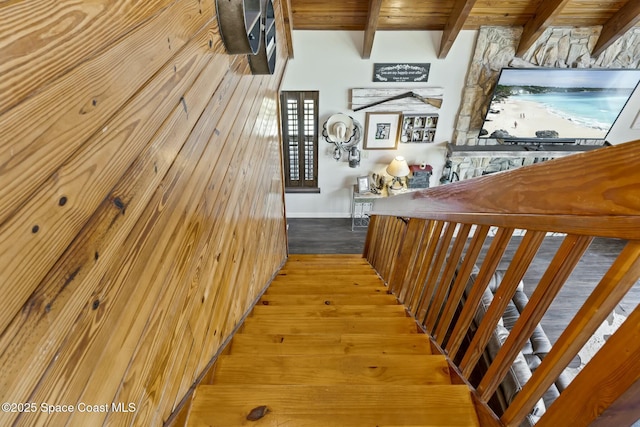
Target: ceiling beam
372,26
457,18
288,25
625,18
543,18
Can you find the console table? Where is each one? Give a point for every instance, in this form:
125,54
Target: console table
362,203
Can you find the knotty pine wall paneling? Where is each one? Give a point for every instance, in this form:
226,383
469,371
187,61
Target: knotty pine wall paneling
141,204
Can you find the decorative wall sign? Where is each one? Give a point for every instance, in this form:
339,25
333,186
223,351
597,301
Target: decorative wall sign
363,97
400,72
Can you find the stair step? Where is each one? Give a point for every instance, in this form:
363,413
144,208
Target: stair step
328,299
324,269
301,344
305,325
318,278
340,405
332,369
374,311
338,258
328,345
332,288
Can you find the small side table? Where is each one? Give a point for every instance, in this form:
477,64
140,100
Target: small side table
361,204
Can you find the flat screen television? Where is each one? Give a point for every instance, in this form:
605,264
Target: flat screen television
557,104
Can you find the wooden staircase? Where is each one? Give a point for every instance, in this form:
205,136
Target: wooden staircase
328,346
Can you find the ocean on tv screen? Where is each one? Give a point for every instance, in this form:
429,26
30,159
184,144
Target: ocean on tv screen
582,108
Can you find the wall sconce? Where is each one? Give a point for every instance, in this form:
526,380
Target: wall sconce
398,169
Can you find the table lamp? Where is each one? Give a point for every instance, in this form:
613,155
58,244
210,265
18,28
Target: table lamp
398,169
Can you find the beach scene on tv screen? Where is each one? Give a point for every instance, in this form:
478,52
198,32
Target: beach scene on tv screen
557,103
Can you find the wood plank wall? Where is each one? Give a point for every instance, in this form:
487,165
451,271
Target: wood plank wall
141,203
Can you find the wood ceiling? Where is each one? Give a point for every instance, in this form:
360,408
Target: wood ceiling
615,17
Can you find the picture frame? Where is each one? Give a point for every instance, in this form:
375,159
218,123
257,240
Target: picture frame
418,128
363,184
381,130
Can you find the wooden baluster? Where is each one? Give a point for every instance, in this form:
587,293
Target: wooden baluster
372,237
613,372
563,263
512,277
488,267
410,280
399,234
407,276
461,282
406,256
620,277
425,265
434,271
444,285
385,245
376,237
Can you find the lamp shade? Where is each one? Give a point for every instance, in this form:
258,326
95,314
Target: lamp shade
398,167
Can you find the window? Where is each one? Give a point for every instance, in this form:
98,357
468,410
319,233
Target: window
300,141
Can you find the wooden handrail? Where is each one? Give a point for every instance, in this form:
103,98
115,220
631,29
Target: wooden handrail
595,193
428,263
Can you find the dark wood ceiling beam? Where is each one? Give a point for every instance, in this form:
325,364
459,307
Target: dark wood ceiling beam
459,14
533,29
625,18
288,25
372,25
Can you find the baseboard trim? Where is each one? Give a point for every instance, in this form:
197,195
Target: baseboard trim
318,215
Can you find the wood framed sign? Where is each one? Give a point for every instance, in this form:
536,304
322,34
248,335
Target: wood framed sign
401,72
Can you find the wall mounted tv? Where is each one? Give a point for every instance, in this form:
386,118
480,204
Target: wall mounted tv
557,104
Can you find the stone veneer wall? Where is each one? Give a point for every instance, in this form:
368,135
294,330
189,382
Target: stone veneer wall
557,47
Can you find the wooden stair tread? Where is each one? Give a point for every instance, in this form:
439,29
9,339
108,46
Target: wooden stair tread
327,289
329,311
329,279
332,369
307,325
264,344
326,262
377,298
299,270
343,405
341,258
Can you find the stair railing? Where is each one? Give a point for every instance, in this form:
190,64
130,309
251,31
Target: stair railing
426,244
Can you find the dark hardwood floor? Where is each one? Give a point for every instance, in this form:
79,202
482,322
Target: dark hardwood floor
328,235
591,268
324,236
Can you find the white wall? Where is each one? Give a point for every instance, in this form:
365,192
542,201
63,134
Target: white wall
331,62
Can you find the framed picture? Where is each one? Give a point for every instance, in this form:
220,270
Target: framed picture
381,131
418,128
363,184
